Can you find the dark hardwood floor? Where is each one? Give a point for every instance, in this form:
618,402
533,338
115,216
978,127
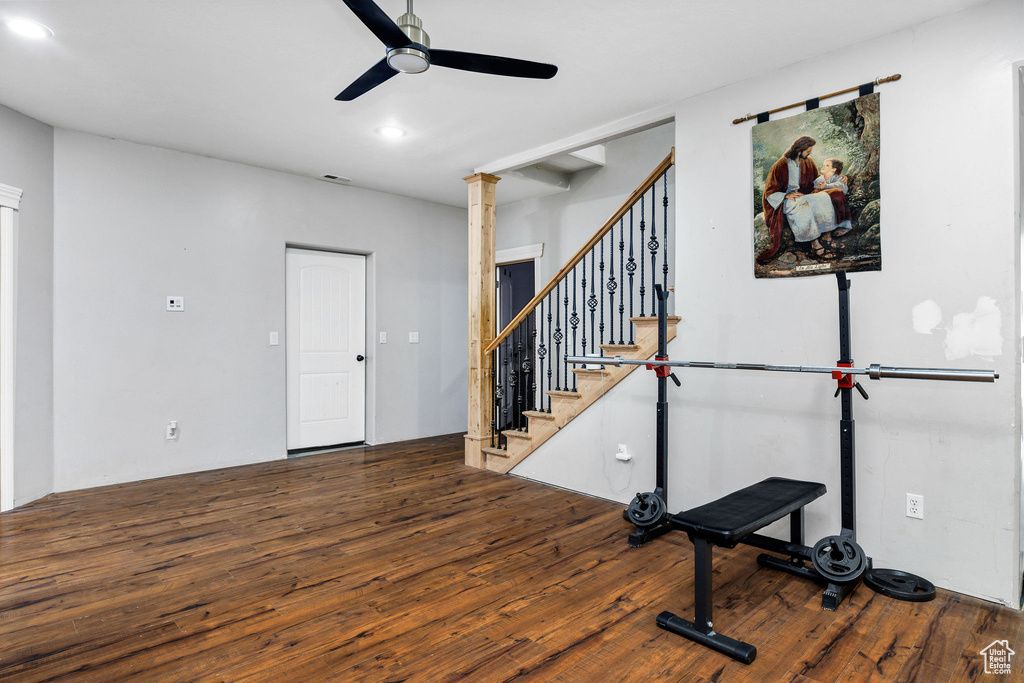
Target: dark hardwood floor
397,563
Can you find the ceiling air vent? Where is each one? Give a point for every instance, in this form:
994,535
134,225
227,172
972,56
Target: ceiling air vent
337,179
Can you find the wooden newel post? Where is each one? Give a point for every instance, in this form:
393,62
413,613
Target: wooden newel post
481,314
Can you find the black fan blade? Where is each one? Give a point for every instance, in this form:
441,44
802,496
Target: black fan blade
488,64
377,74
383,27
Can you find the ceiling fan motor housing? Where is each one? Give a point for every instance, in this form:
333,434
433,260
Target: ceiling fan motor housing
411,59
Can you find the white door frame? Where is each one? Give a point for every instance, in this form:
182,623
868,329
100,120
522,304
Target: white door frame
10,198
503,257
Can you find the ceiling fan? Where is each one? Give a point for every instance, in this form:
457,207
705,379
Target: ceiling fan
408,51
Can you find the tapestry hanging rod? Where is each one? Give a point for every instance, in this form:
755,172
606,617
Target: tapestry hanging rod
877,81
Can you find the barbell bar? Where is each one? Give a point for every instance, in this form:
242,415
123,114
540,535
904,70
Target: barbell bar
874,371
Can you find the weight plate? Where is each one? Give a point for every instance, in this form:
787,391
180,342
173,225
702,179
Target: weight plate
900,585
645,510
839,559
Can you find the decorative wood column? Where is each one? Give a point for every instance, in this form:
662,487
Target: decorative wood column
481,314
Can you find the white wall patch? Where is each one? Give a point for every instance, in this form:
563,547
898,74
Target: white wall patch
977,333
927,316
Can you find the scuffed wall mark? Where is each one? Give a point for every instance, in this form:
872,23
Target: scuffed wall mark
927,316
977,333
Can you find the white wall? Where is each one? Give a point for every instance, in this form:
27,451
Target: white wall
948,234
134,224
26,162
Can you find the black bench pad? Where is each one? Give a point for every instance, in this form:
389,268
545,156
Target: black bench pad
727,520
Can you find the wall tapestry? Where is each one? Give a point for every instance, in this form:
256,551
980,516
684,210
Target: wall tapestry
816,195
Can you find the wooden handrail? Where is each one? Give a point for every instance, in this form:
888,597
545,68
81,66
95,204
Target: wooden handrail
666,164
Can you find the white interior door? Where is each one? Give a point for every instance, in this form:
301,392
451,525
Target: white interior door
326,336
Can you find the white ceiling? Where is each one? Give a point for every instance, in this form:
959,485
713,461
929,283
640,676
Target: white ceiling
254,81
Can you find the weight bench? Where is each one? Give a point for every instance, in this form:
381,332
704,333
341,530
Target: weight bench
726,522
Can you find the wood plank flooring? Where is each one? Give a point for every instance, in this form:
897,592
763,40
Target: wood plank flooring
398,563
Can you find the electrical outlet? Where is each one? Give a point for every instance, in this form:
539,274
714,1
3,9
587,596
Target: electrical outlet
622,454
915,506
172,430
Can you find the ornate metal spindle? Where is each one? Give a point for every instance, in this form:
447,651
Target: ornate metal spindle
602,290
558,339
531,326
583,309
592,301
551,362
565,305
642,227
612,285
622,278
574,321
631,268
652,246
664,232
541,352
520,385
494,396
507,398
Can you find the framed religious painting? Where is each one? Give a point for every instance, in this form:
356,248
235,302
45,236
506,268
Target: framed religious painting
817,205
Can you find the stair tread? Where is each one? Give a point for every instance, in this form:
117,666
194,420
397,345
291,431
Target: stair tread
563,394
653,320
501,452
620,347
516,434
590,371
539,414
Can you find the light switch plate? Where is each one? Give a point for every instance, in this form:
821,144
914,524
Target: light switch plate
414,337
176,303
274,339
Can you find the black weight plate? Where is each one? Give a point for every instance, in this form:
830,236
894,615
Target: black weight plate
900,585
645,510
839,559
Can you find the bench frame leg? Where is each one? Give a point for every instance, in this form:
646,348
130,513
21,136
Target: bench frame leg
701,630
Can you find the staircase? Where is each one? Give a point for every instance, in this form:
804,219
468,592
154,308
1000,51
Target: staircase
600,303
591,384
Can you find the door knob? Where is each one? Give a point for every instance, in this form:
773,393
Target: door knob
360,359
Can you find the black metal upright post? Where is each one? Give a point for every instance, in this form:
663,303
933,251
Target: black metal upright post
847,454
834,593
641,535
661,483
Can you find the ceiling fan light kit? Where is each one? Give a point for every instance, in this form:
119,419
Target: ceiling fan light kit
408,51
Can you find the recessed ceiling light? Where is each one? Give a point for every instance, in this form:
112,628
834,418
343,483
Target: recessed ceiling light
391,132
28,28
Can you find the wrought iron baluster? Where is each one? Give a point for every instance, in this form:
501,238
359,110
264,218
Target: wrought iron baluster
558,339
565,304
494,396
602,290
507,397
652,246
643,289
541,352
574,321
550,362
521,367
622,278
592,301
583,309
664,232
612,285
631,268
531,399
